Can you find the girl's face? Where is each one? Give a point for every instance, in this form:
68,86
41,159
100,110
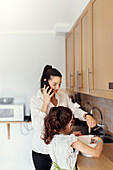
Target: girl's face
55,83
69,126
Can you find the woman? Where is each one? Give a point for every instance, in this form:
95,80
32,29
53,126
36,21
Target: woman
60,145
41,103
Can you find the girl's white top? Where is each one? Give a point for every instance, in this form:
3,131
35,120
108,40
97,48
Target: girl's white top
37,116
61,152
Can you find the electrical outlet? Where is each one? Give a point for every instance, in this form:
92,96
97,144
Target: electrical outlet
110,85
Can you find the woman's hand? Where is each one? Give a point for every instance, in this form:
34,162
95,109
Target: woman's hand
91,122
47,96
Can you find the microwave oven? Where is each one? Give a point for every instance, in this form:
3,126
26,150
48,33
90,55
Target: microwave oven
12,112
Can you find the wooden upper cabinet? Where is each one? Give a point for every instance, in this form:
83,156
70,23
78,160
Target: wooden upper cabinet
69,61
77,55
82,32
102,27
86,49
89,50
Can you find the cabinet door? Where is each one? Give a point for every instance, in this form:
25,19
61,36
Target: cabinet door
77,55
86,49
102,19
69,61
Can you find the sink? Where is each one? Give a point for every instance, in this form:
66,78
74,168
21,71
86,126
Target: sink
82,126
107,138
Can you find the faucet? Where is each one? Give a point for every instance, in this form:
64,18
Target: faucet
99,112
101,126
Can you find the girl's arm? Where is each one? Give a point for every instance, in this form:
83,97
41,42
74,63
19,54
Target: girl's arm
82,147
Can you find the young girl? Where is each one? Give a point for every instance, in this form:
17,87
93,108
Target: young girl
63,148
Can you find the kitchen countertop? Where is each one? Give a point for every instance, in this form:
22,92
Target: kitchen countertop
104,162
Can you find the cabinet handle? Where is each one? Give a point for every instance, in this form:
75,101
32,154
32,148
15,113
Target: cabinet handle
88,72
77,80
71,76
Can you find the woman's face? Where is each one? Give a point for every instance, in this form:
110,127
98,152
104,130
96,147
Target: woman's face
55,83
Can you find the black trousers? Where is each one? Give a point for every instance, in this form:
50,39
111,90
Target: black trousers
41,161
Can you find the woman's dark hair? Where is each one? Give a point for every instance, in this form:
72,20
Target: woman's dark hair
47,73
56,120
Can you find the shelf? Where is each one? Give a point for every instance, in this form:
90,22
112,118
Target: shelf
8,125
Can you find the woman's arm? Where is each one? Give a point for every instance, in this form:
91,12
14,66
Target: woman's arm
37,115
75,107
91,122
39,108
82,147
79,113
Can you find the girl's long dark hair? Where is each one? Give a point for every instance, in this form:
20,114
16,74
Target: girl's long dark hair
47,73
56,120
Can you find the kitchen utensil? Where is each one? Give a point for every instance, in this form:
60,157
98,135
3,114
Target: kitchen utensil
6,100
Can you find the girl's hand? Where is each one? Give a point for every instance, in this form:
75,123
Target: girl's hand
84,148
47,96
77,133
91,122
95,139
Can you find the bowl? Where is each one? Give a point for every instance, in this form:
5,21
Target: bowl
87,140
6,100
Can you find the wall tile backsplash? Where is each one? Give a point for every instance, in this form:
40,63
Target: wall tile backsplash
105,105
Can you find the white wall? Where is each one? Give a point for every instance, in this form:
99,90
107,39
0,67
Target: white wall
22,58
16,154
38,14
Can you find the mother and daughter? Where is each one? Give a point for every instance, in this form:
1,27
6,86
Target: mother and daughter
52,115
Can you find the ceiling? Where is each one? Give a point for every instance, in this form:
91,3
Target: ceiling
39,15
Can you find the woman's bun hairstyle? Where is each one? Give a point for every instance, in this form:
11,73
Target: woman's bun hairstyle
47,73
47,67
